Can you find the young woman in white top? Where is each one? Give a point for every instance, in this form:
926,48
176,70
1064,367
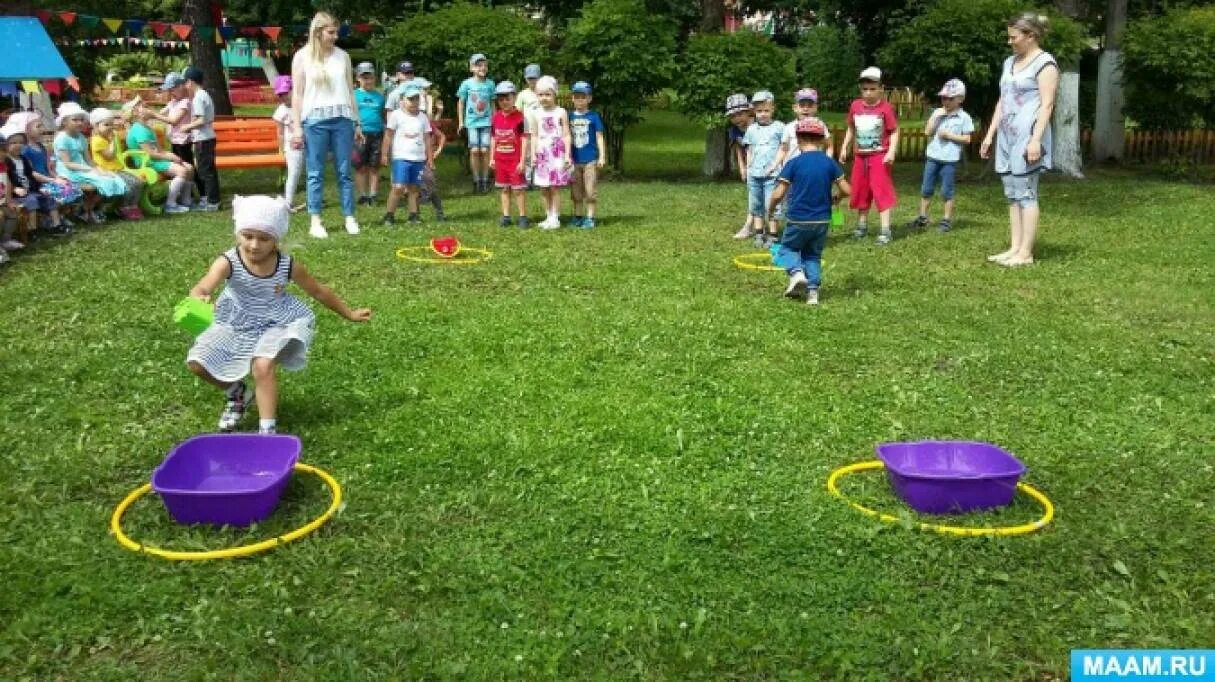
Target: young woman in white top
324,118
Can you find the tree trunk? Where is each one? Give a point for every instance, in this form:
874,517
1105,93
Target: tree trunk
269,68
712,16
205,53
717,154
1109,134
1066,125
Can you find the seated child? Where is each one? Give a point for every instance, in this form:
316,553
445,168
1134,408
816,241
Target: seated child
141,137
66,194
106,146
74,162
808,181
258,325
27,195
8,216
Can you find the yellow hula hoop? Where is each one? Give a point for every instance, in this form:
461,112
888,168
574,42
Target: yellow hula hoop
1048,509
230,552
411,254
746,261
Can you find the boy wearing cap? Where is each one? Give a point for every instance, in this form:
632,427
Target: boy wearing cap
509,150
808,181
202,134
403,77
586,131
473,113
805,103
948,128
874,129
527,99
738,110
762,141
410,131
370,103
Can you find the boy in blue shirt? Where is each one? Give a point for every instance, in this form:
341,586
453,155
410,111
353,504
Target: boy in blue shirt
475,107
762,141
371,115
948,128
808,181
586,130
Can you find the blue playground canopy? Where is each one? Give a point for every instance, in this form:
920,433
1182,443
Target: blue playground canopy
32,55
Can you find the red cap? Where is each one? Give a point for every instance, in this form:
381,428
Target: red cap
811,126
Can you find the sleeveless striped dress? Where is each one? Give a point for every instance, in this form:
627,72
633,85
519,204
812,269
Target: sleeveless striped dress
255,317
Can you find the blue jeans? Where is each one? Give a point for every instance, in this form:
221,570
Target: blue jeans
321,137
801,250
934,169
759,192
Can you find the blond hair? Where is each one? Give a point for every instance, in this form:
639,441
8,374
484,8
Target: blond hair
1031,23
316,60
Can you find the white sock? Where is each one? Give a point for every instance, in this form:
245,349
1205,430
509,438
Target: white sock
175,187
266,424
316,221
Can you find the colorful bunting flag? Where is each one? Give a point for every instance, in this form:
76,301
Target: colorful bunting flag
272,31
44,15
363,28
112,24
29,86
89,21
53,87
182,30
158,28
135,26
67,18
228,32
74,83
344,30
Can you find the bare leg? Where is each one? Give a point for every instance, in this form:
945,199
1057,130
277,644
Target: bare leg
884,219
504,201
1014,234
265,387
201,372
360,182
373,176
521,202
948,210
925,201
394,195
1022,252
413,198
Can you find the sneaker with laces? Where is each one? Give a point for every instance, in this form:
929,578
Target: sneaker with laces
759,240
389,220
576,221
176,209
550,224
238,398
945,225
861,230
919,223
352,225
504,221
797,285
588,223
524,223
884,238
812,297
207,207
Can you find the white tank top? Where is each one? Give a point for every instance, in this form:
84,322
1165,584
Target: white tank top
334,101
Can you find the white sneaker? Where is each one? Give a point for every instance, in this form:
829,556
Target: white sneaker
812,297
797,285
4,256
12,245
550,224
745,233
317,230
175,209
352,225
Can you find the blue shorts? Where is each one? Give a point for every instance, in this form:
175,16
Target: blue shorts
407,172
478,138
1021,190
759,192
934,170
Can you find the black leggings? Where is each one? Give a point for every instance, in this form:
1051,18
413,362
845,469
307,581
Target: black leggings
204,155
186,153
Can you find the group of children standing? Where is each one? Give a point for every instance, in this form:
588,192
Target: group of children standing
789,169
521,136
63,178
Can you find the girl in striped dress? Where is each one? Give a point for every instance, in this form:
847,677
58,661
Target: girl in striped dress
257,325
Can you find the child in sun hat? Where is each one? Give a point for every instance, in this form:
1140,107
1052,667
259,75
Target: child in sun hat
474,111
948,129
370,103
589,153
807,181
65,193
762,141
549,145
106,146
74,162
26,190
257,325
872,137
411,152
805,103
740,115
295,157
508,151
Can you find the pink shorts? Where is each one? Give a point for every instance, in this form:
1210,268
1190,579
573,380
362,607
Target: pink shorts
871,183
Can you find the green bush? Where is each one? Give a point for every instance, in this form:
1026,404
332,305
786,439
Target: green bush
1168,67
828,60
627,55
968,39
717,65
440,43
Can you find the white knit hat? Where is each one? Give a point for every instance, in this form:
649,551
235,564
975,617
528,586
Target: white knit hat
101,115
262,213
67,110
547,83
11,129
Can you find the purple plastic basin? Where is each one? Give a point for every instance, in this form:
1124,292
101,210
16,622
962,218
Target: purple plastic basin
226,478
950,476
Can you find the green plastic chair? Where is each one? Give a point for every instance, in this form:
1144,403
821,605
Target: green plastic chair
138,162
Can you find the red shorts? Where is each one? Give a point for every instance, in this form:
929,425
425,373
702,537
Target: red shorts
871,183
507,174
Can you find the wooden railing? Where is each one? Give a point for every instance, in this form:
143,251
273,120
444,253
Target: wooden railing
1155,145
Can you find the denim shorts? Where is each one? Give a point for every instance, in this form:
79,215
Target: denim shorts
759,192
407,172
478,138
938,170
1021,190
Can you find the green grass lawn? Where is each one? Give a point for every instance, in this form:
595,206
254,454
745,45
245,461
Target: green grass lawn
602,454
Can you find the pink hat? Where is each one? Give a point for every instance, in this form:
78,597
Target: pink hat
811,126
282,85
806,94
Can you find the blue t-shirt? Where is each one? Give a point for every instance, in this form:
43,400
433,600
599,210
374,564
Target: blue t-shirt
958,123
37,158
762,143
478,99
810,176
583,128
371,109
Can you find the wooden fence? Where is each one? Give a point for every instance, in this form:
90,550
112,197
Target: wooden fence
1156,145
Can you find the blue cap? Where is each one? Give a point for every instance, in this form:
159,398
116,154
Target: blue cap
476,58
411,89
532,71
581,87
505,88
172,80
405,67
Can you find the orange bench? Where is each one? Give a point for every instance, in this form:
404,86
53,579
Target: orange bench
247,143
